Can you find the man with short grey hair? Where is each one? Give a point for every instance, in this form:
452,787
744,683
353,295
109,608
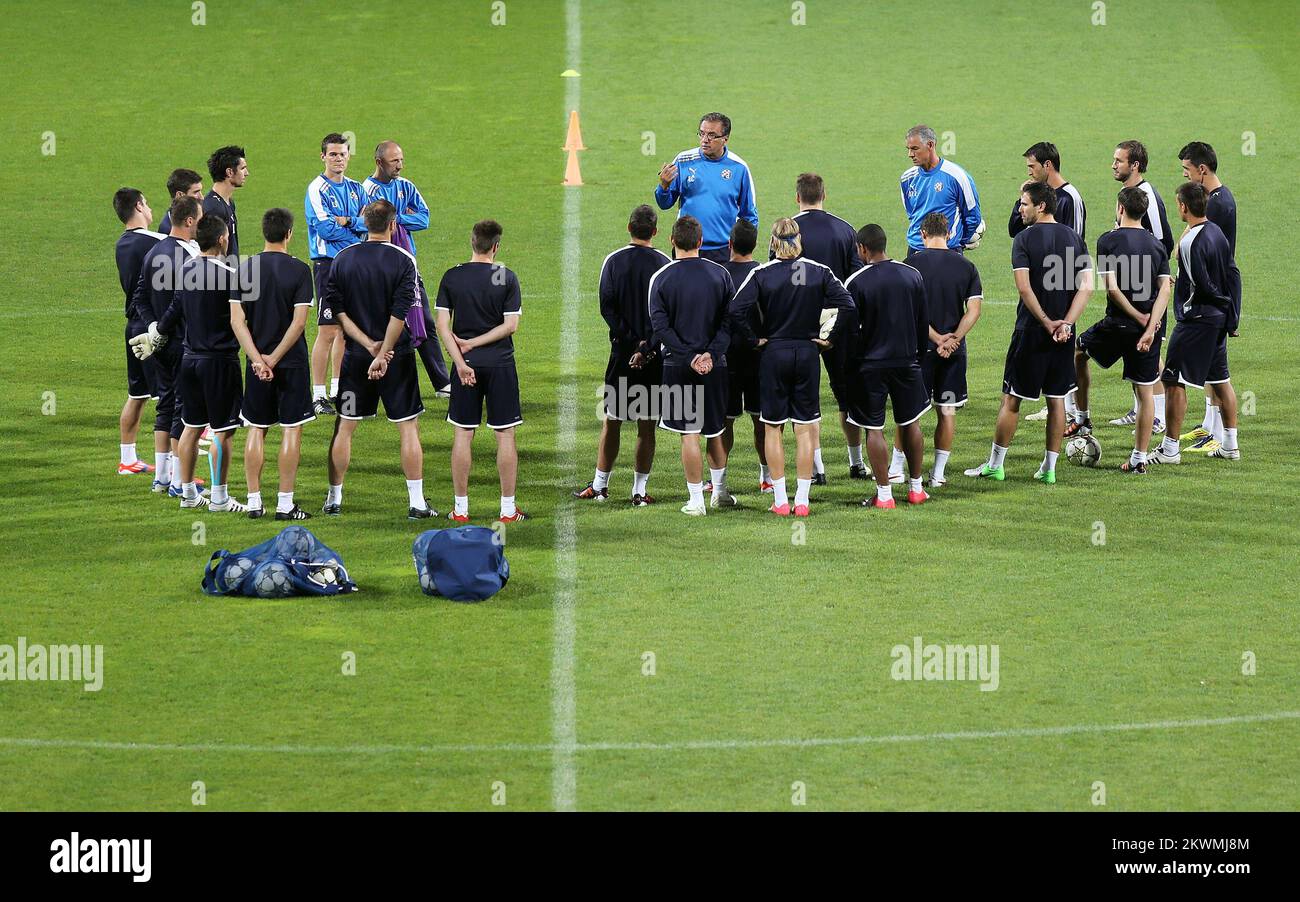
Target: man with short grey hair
936,185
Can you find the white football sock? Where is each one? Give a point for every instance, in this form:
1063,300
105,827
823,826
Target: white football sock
1137,457
317,392
696,491
1229,439
719,479
1049,461
190,490
462,505
855,455
334,388
914,485
897,463
884,492
600,480
997,456
283,502
1169,447
818,466
1217,429
415,491
1160,406
801,489
639,481
220,494
1080,415
507,505
254,500
764,474
128,453
1207,423
940,462
1070,406
335,495
160,470
175,470
778,492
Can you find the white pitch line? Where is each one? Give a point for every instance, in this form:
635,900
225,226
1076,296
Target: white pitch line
564,729
573,748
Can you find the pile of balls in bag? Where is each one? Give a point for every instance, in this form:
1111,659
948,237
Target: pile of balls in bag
465,563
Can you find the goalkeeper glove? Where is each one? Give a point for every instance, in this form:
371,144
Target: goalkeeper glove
146,343
975,239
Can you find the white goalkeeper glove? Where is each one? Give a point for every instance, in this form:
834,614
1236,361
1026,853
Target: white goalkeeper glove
145,344
975,239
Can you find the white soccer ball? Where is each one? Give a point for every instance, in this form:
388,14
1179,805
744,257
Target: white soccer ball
830,315
326,574
272,581
1084,450
235,571
426,581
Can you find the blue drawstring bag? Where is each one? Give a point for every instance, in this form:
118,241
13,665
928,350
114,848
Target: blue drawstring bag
464,563
295,562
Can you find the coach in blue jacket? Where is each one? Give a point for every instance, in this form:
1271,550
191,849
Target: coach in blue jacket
712,184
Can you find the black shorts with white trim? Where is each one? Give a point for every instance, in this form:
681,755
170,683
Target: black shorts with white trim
497,386
399,389
627,391
789,383
693,404
1037,365
284,401
945,377
210,392
1111,339
1197,355
902,386
742,383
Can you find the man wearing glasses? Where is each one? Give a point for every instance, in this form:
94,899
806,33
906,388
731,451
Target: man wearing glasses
712,184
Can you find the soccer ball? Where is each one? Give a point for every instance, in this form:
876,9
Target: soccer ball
830,315
325,574
272,581
296,542
235,571
1084,450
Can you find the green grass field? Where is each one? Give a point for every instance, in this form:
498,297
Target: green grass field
1120,662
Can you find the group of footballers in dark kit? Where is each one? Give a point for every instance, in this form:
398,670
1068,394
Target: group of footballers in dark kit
192,303
699,339
712,340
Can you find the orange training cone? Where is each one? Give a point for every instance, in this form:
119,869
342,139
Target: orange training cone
573,141
572,175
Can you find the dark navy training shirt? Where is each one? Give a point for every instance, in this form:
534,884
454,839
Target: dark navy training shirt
1055,256
132,247
373,282
1138,261
479,297
951,280
1208,289
688,310
280,283
892,318
625,292
202,303
789,296
158,278
1221,209
828,240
